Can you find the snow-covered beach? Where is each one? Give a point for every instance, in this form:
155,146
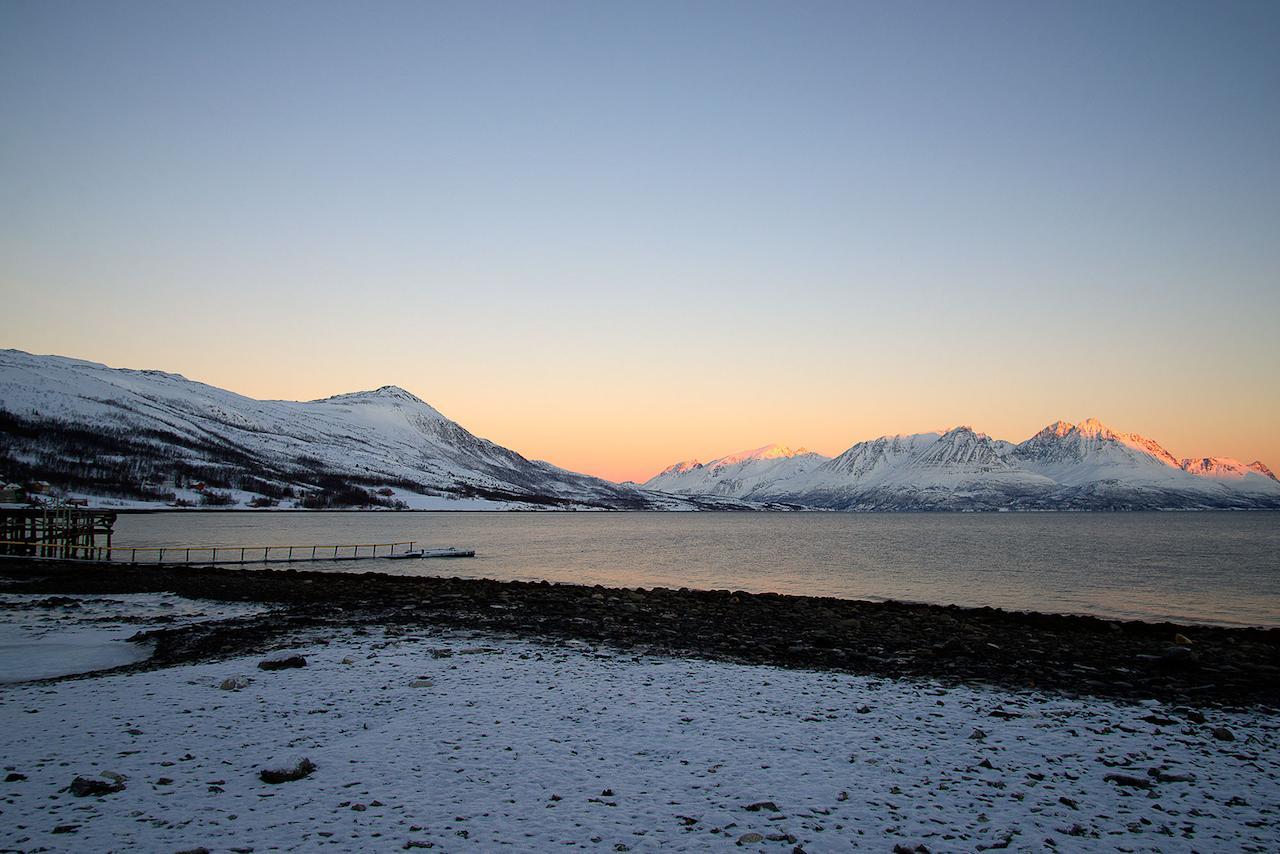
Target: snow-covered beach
467,740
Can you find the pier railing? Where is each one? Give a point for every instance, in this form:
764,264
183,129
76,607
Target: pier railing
203,555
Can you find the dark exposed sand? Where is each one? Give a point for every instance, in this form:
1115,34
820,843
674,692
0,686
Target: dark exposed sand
1083,655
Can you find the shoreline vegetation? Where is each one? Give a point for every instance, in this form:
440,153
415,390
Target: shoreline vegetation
1194,665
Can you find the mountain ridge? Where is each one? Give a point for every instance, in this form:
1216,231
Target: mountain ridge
1064,466
148,436
152,436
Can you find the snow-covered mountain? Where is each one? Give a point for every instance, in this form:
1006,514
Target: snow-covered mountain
144,435
154,437
737,475
1084,466
1251,477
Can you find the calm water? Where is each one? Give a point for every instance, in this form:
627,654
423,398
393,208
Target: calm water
1200,567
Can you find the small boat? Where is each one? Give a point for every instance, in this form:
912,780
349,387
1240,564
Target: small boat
449,552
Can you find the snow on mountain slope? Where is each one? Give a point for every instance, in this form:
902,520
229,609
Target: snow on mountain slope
1259,467
865,460
740,475
1074,454
1064,466
1254,477
155,425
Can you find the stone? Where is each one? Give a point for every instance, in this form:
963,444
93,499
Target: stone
1126,780
750,837
14,777
303,768
282,663
1221,733
767,806
234,683
1163,776
87,787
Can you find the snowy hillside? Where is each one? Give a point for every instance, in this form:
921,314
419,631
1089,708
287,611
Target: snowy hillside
154,436
737,475
1065,466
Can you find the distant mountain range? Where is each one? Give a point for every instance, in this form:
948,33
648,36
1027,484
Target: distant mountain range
1085,466
148,438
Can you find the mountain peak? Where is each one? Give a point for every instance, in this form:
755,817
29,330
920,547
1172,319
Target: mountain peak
764,452
383,393
680,467
1260,468
1092,427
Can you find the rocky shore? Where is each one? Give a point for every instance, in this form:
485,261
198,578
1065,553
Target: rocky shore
1195,665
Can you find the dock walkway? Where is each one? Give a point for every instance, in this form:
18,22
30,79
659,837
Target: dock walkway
219,555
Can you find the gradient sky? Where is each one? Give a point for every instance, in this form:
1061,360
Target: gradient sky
616,235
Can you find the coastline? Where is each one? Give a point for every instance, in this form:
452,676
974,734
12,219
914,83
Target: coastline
1078,655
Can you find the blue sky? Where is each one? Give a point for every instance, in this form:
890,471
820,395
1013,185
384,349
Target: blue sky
615,235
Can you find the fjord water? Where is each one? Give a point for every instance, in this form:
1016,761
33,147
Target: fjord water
1221,568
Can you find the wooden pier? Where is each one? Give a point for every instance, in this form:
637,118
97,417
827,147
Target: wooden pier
77,534
60,531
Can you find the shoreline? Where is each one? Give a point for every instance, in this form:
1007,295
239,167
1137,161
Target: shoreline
1079,655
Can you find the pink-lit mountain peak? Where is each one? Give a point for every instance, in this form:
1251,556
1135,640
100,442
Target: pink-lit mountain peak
764,452
1261,468
1092,435
1225,468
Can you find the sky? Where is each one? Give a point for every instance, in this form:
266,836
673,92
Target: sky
614,236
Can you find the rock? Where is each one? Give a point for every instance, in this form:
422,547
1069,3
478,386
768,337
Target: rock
421,683
1192,715
87,787
977,734
864,710
1126,780
1182,640
768,806
1221,733
749,838
1163,776
282,662
14,777
235,683
350,660
66,828
287,775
